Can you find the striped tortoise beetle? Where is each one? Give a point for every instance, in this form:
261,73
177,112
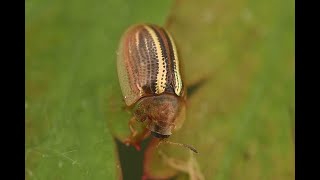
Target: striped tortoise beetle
150,80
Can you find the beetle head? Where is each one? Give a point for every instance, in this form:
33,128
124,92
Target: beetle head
160,112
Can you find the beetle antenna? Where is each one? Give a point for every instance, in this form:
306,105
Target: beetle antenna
179,144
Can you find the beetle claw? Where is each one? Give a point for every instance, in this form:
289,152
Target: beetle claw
136,145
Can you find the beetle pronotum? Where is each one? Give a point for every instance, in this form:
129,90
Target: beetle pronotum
150,80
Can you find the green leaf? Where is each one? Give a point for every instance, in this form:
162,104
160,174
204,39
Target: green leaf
70,76
241,120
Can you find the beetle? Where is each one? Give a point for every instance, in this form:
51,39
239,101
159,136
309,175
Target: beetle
150,79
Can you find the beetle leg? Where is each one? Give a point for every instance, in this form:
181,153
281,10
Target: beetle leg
135,137
133,131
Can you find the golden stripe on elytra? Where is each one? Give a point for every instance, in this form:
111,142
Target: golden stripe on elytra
162,71
178,81
137,39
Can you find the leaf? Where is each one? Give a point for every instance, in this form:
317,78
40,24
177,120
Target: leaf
70,75
241,120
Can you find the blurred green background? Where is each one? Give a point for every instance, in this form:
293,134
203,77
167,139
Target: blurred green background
241,119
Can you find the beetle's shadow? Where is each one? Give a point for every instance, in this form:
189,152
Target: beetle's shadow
194,87
131,160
